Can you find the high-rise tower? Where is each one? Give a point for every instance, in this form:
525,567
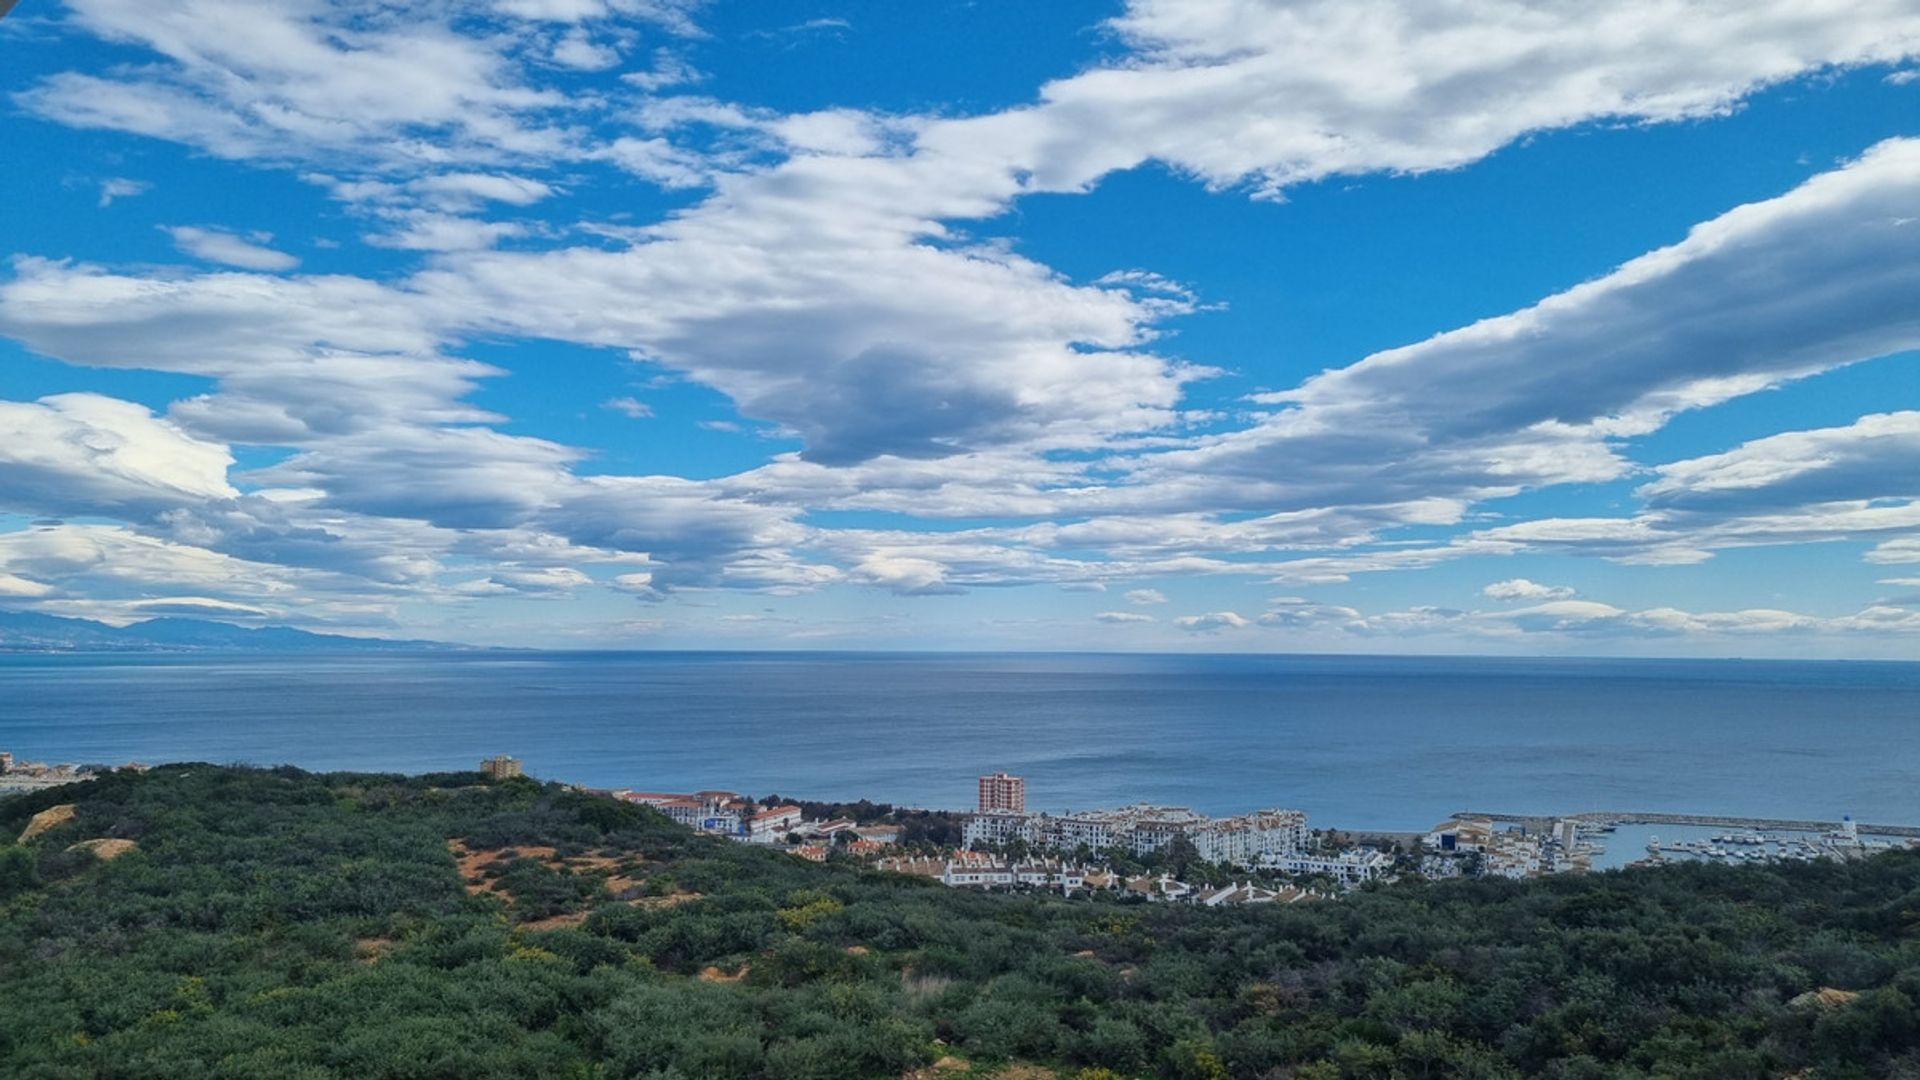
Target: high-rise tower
1000,793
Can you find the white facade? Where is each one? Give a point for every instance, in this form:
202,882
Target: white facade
998,829
1143,830
773,826
1348,867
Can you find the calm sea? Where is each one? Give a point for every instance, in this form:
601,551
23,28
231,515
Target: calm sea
1363,742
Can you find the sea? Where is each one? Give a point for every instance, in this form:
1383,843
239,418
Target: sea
1361,742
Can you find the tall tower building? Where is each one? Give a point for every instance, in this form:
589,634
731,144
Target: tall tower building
1000,793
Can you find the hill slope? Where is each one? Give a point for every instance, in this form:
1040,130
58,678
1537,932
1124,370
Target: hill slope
29,631
286,924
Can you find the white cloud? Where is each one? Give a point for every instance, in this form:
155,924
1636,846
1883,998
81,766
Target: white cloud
631,407
548,581
216,245
1539,396
578,49
1522,589
1906,550
422,230
15,587
904,575
463,190
120,187
1212,621
109,571
1872,458
1145,596
90,454
1123,617
282,79
1295,612
825,287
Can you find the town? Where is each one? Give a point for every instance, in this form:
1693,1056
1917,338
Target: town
1173,853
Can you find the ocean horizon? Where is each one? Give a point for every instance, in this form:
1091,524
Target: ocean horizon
1366,742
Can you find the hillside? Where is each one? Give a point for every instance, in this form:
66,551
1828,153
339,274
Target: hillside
278,923
27,631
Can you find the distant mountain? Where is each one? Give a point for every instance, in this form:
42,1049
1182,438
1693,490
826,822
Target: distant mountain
26,631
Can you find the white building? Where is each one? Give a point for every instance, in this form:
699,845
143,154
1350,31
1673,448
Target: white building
1244,840
982,829
1069,832
1349,867
1144,829
773,825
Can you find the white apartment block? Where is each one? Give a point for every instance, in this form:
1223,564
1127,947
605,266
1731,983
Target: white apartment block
1144,829
773,825
1348,867
982,829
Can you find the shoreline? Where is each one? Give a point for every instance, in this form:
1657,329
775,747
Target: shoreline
17,783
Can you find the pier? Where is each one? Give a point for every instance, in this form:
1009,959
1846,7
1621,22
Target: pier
1544,822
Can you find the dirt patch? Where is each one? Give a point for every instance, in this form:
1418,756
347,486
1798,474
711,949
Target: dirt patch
601,862
106,850
556,922
470,861
945,1067
372,950
714,974
51,818
858,950
1826,997
673,900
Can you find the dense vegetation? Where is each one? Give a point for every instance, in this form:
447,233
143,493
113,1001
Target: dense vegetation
276,923
918,828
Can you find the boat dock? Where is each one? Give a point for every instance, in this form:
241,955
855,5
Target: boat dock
1544,822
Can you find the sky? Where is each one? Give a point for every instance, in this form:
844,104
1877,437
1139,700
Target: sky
1473,326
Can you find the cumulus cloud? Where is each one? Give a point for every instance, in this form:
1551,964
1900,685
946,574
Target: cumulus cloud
1212,621
1145,596
1572,622
1522,589
1123,617
551,581
904,575
245,79
109,571
82,454
826,283
1281,94
1297,613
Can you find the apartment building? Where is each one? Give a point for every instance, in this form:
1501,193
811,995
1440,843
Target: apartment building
1002,794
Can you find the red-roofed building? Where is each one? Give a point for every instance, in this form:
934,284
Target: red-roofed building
773,825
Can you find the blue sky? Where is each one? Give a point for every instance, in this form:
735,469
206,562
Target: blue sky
1213,324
